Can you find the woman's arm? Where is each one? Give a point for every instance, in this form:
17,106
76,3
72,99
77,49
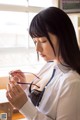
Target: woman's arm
69,102
31,112
19,100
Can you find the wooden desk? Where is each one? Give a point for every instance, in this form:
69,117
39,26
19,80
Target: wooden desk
23,119
5,106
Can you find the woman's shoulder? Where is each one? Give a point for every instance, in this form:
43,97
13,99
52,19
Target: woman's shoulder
71,77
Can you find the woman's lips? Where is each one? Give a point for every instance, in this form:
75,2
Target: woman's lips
42,55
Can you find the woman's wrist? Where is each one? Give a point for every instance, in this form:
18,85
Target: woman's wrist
28,110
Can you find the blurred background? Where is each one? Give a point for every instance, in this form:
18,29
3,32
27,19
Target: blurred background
17,49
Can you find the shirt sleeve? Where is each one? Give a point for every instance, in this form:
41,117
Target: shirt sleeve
69,102
31,112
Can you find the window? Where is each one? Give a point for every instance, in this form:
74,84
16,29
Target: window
17,49
40,3
14,2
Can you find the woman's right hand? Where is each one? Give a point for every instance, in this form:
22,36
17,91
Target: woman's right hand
16,95
18,76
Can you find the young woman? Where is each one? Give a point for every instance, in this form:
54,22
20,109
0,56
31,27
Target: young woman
56,93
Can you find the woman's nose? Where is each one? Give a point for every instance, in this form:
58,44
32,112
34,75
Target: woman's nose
38,47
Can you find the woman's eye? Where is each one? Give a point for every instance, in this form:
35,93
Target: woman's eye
43,41
40,42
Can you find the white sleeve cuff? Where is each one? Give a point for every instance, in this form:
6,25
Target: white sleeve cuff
29,110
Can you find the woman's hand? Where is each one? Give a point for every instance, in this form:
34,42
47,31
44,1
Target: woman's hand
18,76
16,95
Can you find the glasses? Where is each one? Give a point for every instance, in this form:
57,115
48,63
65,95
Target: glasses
24,83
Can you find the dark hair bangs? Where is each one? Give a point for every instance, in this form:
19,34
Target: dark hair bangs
37,28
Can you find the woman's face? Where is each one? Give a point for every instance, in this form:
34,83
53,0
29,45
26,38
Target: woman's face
44,48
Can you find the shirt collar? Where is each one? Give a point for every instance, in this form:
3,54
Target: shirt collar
63,67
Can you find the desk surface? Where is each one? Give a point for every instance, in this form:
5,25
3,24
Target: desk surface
5,106
3,98
22,119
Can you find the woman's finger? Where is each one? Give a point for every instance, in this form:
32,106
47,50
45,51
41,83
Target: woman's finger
8,96
17,72
17,76
19,99
11,90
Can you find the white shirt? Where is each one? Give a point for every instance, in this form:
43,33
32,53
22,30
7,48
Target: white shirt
61,99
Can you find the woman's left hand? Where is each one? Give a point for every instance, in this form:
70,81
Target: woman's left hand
18,76
16,95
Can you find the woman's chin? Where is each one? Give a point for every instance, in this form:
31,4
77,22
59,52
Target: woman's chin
47,59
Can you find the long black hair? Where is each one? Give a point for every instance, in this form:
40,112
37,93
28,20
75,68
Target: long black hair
54,20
